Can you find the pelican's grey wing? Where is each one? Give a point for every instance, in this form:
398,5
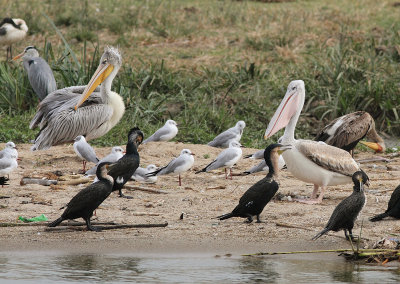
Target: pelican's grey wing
223,158
222,138
157,135
87,152
60,123
40,76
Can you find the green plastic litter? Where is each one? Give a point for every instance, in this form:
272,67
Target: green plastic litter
40,218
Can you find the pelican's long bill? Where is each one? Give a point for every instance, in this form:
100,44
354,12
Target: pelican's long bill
284,113
101,73
373,146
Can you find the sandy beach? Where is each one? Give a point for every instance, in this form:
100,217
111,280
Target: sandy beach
287,225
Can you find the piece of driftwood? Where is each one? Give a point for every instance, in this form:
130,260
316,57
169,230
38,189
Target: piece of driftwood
151,190
145,214
33,224
75,181
110,227
374,159
216,187
366,251
57,187
40,181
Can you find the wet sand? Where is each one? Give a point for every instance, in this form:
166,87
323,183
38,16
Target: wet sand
287,225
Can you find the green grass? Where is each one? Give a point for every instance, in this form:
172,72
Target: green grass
207,64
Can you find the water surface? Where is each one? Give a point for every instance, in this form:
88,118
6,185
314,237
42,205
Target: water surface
61,267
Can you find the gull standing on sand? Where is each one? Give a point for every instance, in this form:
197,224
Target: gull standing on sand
165,133
177,166
8,163
116,154
84,151
141,174
226,159
39,72
232,134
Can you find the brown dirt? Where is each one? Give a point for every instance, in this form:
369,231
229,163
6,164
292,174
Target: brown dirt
198,231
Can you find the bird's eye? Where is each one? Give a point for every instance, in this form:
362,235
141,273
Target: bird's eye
104,61
294,88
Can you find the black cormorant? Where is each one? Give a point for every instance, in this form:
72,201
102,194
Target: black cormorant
393,209
88,199
346,212
124,168
258,195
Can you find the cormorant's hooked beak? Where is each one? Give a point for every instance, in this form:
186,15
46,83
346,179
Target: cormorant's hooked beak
18,56
374,146
284,113
284,148
101,73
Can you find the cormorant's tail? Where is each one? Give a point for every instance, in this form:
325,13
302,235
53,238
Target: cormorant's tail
56,222
225,216
323,232
379,217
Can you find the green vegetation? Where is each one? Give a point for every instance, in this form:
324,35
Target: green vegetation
207,64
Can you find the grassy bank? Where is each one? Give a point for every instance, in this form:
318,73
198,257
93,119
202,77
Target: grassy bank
207,64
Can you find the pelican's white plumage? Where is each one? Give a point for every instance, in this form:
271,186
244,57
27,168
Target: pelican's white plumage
69,112
309,161
165,133
232,134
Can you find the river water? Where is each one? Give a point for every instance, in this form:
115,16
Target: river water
61,267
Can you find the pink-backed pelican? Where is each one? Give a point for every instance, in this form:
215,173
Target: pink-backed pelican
69,112
309,161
